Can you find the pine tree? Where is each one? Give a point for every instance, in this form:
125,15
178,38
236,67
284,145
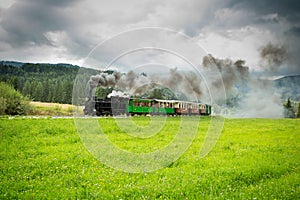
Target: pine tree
66,92
288,103
57,93
46,90
50,93
14,82
36,90
298,111
27,88
288,111
39,92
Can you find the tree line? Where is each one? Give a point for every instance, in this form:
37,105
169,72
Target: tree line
291,109
43,82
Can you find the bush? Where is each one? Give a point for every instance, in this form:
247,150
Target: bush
12,102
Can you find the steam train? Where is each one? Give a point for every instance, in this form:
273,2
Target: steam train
133,106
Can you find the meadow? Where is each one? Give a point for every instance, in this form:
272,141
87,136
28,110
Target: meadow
252,159
50,109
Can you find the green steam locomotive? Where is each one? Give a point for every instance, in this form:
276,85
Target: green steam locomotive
134,106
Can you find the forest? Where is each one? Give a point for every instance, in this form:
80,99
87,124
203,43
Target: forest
43,82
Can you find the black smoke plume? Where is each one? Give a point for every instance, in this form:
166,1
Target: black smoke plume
232,72
273,56
138,84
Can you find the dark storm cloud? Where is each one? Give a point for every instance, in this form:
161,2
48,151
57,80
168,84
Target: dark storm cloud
264,13
28,21
287,8
78,26
45,31
72,26
282,18
294,31
57,3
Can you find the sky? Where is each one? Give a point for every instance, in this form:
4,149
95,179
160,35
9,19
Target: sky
74,31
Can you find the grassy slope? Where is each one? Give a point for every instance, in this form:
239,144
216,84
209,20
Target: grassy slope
254,158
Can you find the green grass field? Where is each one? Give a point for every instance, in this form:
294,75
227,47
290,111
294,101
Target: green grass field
253,159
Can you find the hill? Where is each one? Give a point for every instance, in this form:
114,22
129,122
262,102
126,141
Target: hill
43,81
290,86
